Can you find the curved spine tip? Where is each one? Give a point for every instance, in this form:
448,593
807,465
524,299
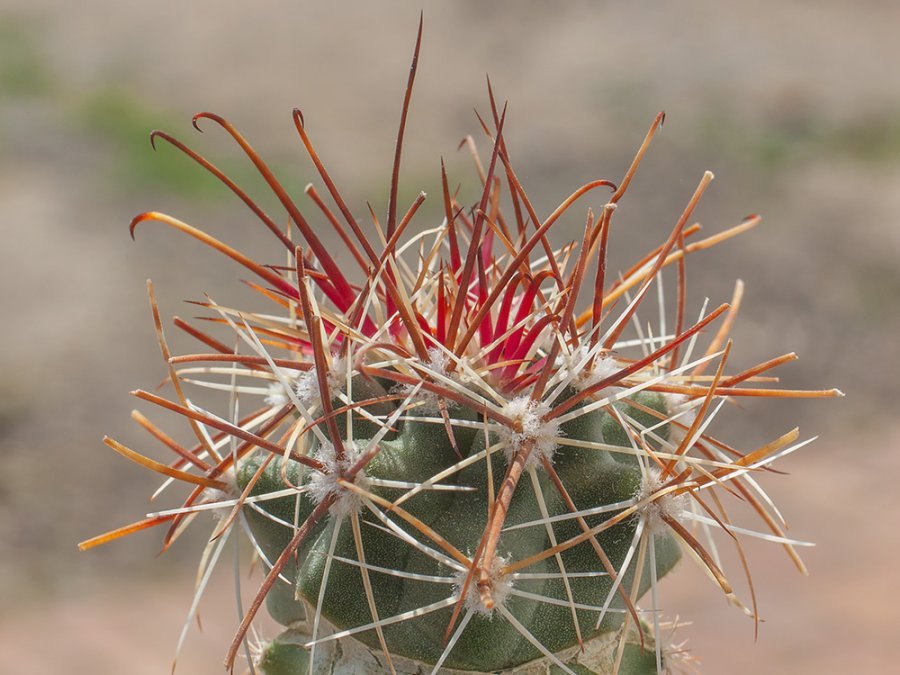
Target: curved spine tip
195,120
137,220
153,135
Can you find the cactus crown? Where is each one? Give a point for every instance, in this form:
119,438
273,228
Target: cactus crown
449,465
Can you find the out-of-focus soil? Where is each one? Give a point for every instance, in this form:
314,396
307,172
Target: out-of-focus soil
794,106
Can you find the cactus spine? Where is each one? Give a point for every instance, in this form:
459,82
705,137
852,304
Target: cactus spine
454,469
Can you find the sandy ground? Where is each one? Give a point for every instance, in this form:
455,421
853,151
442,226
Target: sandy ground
794,106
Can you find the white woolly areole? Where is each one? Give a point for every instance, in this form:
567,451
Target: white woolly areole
438,361
602,367
530,428
686,410
427,401
322,484
670,505
277,396
212,495
307,388
500,587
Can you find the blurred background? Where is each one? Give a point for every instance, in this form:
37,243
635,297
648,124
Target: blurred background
794,106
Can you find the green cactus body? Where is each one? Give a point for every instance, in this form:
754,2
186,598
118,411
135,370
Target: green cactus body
422,449
453,469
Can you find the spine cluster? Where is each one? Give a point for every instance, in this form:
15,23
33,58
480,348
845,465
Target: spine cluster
452,460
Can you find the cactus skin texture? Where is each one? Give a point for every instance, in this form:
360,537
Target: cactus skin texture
453,469
592,478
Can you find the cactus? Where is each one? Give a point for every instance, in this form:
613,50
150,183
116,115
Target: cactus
449,467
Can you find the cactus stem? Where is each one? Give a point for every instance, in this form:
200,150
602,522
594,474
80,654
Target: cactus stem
367,586
584,536
451,643
670,505
449,471
226,522
414,403
491,536
409,518
302,532
326,574
620,573
551,536
330,480
595,545
529,428
397,618
524,632
623,632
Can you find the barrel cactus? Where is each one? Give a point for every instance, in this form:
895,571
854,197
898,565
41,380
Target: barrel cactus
449,466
